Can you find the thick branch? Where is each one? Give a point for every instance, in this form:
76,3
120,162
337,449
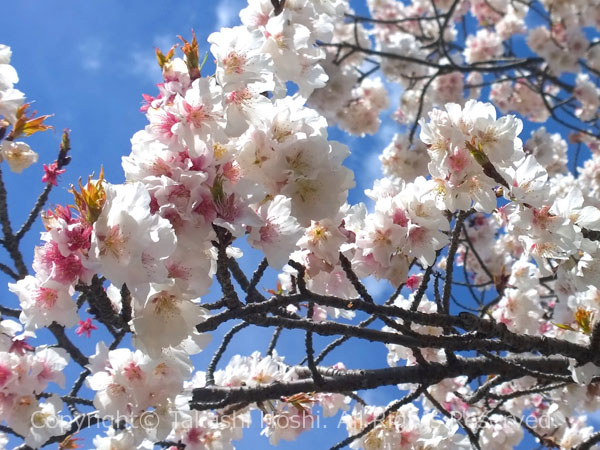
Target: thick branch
353,380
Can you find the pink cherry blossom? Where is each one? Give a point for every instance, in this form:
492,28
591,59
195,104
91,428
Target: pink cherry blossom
51,173
86,327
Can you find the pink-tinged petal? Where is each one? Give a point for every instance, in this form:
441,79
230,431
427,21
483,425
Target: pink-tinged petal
85,327
51,173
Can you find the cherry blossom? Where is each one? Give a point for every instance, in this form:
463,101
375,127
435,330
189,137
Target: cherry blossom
485,236
18,155
280,230
10,98
86,327
51,173
44,302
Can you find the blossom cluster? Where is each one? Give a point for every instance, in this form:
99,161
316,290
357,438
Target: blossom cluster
25,373
404,428
218,158
245,152
404,38
17,154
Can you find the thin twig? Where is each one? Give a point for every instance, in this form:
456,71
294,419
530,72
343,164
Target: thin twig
210,371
